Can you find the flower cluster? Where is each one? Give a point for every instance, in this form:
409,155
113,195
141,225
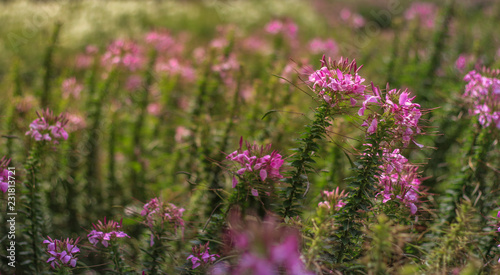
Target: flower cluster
327,47
201,256
124,54
157,213
162,41
85,60
257,161
4,174
106,232
402,185
265,247
62,253
484,95
354,19
424,12
332,198
401,115
337,82
70,87
287,27
48,127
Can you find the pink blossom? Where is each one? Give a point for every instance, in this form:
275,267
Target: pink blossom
483,94
268,248
4,174
159,215
124,54
333,198
62,253
105,232
48,127
424,12
327,47
338,82
162,41
201,256
70,87
286,27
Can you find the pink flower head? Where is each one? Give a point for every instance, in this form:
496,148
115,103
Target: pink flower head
285,27
257,162
404,117
62,253
159,215
48,127
402,185
201,256
338,82
333,198
85,60
267,247
125,54
106,232
4,174
327,47
483,94
424,12
162,41
70,87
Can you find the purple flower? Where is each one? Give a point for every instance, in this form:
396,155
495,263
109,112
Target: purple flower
483,94
333,198
159,214
62,253
4,174
257,163
424,12
201,256
48,127
105,232
70,87
125,54
265,247
338,82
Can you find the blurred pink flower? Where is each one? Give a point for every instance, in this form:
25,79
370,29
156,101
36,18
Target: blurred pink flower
154,109
126,54
134,83
70,87
423,11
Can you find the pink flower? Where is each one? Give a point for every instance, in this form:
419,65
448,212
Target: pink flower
268,249
62,253
48,127
105,232
162,41
257,162
286,27
70,87
4,174
159,215
201,256
483,94
125,54
338,82
424,12
333,198
327,47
